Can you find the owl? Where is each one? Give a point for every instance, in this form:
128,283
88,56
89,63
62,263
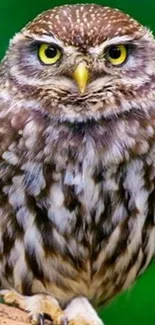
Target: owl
77,162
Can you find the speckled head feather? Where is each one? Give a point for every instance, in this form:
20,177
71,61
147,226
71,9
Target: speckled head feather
79,24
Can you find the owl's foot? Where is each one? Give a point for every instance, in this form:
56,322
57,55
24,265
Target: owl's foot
37,306
80,312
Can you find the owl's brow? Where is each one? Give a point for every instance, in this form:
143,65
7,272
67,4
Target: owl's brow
111,41
51,39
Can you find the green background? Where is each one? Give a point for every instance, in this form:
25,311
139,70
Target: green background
137,305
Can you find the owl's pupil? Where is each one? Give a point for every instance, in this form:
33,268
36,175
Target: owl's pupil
51,52
114,52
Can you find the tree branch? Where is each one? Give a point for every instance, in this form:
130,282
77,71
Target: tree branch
13,316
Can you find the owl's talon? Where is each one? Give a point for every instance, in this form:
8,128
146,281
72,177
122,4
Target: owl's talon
63,320
37,306
41,319
35,319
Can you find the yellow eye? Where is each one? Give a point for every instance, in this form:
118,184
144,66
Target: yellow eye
49,53
117,54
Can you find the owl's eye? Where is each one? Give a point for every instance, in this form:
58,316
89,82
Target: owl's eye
117,54
49,54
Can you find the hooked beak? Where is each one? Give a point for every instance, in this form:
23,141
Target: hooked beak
81,76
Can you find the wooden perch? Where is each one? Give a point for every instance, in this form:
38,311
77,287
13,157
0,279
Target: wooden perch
14,316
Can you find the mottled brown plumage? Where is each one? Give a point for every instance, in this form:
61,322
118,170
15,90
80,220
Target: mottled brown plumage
77,162
83,25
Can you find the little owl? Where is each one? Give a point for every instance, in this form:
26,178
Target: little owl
77,162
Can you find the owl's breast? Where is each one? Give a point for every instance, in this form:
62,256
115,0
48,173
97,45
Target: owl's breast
90,227
81,225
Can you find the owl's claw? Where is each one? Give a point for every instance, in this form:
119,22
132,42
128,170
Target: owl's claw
37,306
64,321
41,319
37,319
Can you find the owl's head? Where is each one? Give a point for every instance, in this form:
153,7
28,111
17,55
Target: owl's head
80,62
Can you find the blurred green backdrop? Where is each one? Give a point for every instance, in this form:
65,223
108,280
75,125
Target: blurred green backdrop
137,305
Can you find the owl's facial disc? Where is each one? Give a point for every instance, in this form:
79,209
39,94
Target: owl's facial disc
80,62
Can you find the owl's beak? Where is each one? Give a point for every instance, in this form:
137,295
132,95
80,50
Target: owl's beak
81,76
